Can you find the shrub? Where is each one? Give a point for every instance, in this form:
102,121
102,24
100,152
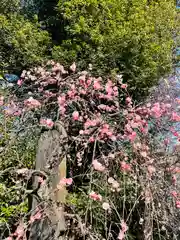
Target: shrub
17,151
118,175
22,43
131,37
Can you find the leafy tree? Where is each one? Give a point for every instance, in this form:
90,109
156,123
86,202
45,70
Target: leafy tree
22,43
9,6
47,16
132,37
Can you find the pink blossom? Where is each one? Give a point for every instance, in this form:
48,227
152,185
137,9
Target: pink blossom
105,128
110,180
75,115
71,93
176,134
166,141
115,91
151,169
102,96
59,68
17,113
9,238
128,100
143,154
174,194
137,145
40,89
81,132
97,85
125,167
178,204
47,122
123,230
91,139
175,117
124,86
106,131
86,132
91,123
128,128
95,196
49,94
115,184
44,84
132,136
144,130
32,103
134,124
115,88
82,80
168,105
109,89
19,82
61,100
23,74
83,92
156,110
64,182
9,111
62,110
121,235
1,100
19,233
73,67
98,166
124,226
113,138
89,82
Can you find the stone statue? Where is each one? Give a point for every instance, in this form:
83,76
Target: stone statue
50,159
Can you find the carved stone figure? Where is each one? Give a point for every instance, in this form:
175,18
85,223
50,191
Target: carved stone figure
51,160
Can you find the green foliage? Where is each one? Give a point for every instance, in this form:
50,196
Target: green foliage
8,208
47,16
9,6
15,152
22,43
134,37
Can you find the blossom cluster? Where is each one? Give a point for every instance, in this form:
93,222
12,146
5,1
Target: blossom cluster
108,131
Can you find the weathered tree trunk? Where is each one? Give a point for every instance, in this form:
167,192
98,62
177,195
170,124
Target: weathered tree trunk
51,159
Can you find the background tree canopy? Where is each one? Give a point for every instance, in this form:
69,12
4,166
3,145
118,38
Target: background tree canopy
134,37
22,41
119,161
9,6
